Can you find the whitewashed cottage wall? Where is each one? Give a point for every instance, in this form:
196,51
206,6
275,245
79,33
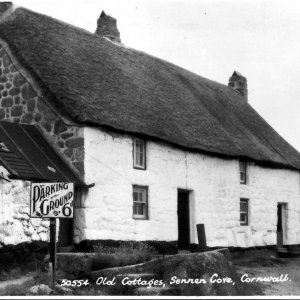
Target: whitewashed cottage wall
106,211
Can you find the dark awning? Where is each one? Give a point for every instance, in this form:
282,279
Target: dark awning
26,154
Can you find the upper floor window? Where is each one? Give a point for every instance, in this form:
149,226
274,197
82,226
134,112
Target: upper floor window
140,202
243,172
139,154
244,212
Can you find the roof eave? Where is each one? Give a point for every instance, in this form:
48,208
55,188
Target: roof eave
79,184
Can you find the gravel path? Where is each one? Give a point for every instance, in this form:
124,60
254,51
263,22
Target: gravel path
18,281
289,266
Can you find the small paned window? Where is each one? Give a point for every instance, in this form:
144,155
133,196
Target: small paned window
244,211
243,172
140,202
139,154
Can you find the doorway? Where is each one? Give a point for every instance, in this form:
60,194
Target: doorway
280,224
183,212
65,235
66,225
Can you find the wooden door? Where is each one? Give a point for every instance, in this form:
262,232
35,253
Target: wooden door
183,211
279,226
65,235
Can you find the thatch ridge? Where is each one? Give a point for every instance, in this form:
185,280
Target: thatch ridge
97,82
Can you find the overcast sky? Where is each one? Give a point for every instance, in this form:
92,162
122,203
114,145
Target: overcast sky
260,39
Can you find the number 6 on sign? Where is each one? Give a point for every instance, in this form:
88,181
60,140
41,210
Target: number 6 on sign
51,200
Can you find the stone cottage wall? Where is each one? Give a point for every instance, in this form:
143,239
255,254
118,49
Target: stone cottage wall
15,224
215,192
21,103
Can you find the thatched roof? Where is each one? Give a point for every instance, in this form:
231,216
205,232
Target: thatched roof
99,83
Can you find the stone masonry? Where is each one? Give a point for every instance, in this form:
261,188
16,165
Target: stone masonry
20,103
15,224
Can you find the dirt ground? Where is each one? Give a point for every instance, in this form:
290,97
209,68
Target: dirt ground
261,264
267,267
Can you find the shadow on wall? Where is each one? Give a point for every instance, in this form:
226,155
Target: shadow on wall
79,219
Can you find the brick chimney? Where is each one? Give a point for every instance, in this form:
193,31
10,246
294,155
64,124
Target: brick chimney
239,83
107,27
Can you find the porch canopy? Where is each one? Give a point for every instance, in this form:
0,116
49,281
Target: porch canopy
27,155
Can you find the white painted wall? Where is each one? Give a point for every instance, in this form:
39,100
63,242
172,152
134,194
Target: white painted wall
106,211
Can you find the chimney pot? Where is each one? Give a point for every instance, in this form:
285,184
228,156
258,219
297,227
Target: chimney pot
239,83
107,27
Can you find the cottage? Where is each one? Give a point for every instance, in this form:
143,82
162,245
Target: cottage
166,149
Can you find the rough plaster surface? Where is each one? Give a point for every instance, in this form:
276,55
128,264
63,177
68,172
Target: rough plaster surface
106,211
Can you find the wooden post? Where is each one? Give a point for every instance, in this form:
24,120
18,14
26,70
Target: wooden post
201,237
53,250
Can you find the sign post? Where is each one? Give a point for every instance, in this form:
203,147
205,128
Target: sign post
52,265
52,200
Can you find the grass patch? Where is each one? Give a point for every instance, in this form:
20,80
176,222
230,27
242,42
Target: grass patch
124,255
23,289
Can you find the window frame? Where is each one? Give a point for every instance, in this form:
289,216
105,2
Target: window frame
242,162
146,203
246,201
135,166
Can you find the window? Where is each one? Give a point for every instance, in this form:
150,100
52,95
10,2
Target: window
244,212
140,202
139,154
243,172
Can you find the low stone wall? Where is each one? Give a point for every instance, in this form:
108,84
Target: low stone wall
208,266
25,256
74,265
